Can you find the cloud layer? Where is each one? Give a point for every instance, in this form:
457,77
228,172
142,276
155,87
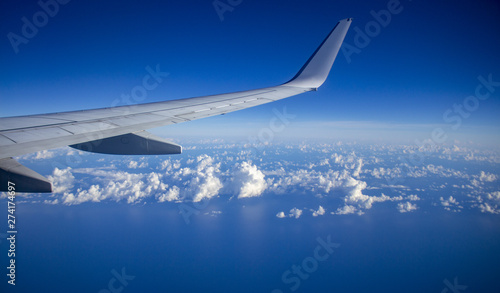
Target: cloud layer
339,178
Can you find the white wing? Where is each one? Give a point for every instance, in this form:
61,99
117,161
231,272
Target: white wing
120,130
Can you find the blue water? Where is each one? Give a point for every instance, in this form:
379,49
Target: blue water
247,249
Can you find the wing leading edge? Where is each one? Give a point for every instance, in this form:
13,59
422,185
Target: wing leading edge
120,130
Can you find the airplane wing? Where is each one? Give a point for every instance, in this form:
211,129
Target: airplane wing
120,130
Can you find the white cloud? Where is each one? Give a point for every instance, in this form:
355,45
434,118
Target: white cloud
62,180
55,201
450,204
116,185
295,212
248,181
492,205
319,212
495,196
413,197
346,210
486,208
353,173
358,168
487,177
93,194
171,195
45,154
404,207
366,201
169,165
280,215
332,183
135,165
59,152
205,184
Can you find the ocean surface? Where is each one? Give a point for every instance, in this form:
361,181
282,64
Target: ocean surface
240,246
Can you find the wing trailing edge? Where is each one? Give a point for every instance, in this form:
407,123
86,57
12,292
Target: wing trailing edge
139,143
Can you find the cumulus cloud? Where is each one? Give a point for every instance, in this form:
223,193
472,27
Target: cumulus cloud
404,207
495,196
413,197
114,185
194,184
331,183
319,212
351,173
487,177
135,165
201,182
62,180
450,204
171,165
94,194
366,201
490,203
132,165
171,195
346,210
154,182
205,184
295,212
357,170
487,208
45,154
49,154
248,181
54,201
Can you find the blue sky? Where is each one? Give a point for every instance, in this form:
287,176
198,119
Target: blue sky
401,214
426,59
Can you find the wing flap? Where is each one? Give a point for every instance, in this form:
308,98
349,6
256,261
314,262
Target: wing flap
140,143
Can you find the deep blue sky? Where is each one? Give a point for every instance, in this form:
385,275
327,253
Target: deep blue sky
425,60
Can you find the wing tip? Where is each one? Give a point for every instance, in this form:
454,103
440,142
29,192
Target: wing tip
315,71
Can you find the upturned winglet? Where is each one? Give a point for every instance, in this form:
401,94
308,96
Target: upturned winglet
314,73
